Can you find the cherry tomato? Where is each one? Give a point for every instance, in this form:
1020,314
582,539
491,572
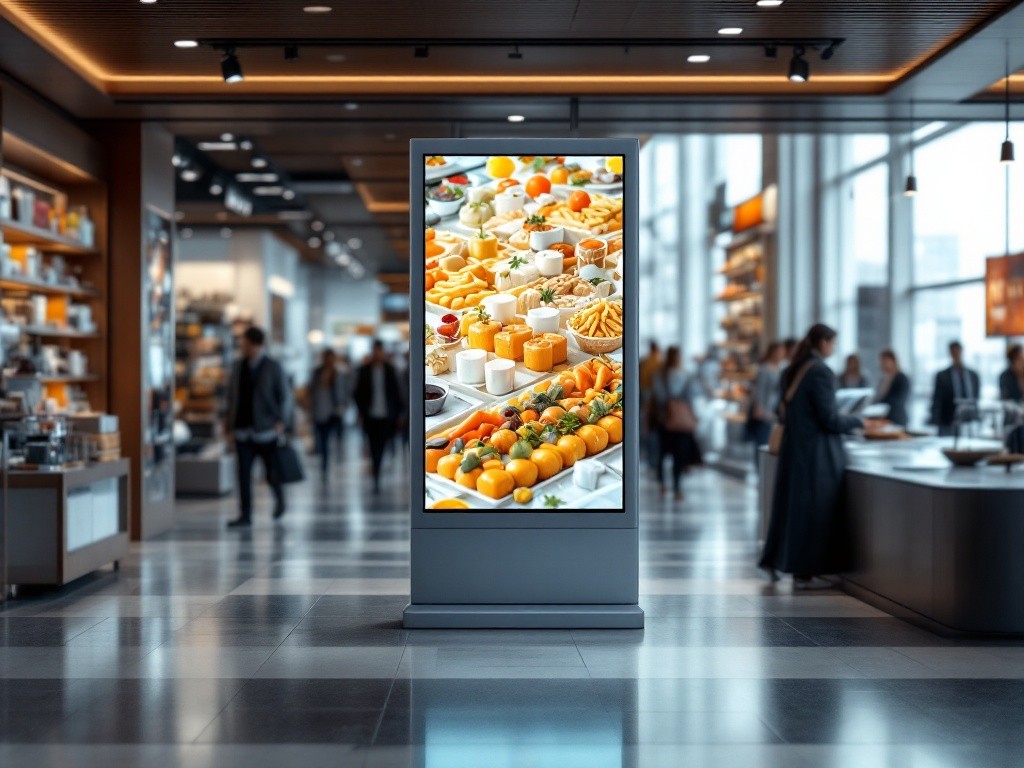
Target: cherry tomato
579,200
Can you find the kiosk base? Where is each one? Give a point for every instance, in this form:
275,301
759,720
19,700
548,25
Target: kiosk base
523,617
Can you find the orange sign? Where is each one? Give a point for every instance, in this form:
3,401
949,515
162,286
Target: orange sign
1004,295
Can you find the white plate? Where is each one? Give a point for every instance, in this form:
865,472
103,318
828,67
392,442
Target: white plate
459,402
560,485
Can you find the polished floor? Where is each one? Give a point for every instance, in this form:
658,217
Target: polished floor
282,646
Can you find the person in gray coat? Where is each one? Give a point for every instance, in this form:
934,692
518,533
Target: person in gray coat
259,410
807,535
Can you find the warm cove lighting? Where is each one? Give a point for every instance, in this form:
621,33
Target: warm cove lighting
698,58
516,118
731,31
186,44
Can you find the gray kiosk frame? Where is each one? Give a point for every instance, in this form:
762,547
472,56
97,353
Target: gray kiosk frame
526,569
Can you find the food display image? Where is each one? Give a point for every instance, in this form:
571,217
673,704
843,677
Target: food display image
524,330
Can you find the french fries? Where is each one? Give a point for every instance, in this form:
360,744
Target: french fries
600,320
604,214
460,290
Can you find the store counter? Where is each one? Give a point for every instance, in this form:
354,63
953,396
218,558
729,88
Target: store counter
933,543
63,524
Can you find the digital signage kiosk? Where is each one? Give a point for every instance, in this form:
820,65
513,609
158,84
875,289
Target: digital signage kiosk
523,402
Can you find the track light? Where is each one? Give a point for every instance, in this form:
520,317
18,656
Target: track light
911,188
829,52
799,69
516,54
230,67
421,51
291,52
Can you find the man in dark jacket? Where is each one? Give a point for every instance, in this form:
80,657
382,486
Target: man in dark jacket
958,383
378,397
894,388
258,409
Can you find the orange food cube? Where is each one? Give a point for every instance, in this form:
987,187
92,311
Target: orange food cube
509,343
539,354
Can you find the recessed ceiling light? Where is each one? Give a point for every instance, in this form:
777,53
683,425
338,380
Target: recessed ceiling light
317,226
217,146
355,243
227,137
731,31
769,3
186,43
516,118
351,105
317,9
274,191
336,57
190,174
698,58
313,242
256,178
216,188
328,236
147,2
258,162
357,162
288,194
245,144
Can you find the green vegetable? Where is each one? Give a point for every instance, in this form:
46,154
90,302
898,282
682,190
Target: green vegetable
458,446
481,234
597,280
516,262
470,462
556,392
553,502
536,220
482,314
521,450
547,295
569,423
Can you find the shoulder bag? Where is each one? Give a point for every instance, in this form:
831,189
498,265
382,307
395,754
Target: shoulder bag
679,415
779,429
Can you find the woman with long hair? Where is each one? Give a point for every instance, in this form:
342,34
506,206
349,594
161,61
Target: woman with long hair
675,419
807,534
326,400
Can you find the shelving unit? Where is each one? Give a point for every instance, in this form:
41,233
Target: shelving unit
84,278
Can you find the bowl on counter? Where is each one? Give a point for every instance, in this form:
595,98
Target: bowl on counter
435,392
968,457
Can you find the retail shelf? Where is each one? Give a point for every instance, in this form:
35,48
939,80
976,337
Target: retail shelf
69,379
17,233
56,333
745,296
38,286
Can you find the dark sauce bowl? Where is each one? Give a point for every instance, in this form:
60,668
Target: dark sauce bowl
434,396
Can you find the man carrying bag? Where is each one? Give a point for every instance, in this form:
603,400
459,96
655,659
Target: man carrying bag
259,409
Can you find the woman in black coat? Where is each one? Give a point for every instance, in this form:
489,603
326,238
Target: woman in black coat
1011,381
807,535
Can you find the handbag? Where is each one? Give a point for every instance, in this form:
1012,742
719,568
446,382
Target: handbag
680,416
287,464
779,428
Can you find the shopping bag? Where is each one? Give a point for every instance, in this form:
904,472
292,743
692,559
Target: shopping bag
288,465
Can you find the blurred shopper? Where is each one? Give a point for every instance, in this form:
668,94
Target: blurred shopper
958,383
807,535
327,399
894,388
764,397
676,420
378,397
345,373
852,376
1011,381
709,372
259,406
650,365
789,344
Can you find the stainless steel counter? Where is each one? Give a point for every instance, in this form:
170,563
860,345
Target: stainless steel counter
937,544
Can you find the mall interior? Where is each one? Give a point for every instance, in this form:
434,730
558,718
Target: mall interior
201,200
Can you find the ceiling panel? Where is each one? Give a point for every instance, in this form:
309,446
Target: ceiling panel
132,43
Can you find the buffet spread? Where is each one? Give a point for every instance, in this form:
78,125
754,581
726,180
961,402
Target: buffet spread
524,331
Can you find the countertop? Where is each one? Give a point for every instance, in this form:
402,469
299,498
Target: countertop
920,461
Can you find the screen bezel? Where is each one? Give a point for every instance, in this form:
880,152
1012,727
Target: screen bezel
427,518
